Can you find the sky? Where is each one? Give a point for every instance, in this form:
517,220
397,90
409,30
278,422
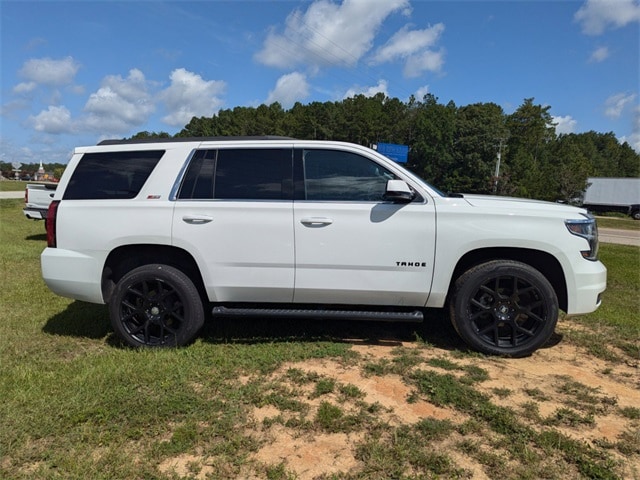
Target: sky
76,72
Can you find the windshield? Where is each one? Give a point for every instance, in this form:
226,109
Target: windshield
424,182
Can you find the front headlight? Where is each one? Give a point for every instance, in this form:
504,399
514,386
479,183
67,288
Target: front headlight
588,230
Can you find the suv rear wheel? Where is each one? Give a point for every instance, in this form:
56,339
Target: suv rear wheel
504,307
156,306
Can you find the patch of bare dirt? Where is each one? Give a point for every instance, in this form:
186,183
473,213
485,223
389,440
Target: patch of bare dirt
314,454
544,379
388,391
187,465
542,387
309,456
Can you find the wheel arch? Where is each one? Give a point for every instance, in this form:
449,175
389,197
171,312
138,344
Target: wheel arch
127,257
544,262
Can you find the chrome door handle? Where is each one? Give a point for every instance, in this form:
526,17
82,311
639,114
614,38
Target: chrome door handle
316,221
197,219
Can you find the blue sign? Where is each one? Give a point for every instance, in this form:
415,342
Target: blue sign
397,153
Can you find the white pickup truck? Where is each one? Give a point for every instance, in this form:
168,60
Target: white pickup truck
37,198
170,232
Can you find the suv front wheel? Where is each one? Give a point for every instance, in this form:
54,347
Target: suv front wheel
156,306
504,307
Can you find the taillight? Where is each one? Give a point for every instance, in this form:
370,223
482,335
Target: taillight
26,195
51,222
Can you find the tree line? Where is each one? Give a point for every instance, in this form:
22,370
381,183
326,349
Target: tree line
454,148
28,170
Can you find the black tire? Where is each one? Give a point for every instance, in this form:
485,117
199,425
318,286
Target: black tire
504,308
156,306
635,214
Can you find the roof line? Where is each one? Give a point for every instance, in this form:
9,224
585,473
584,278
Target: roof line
190,139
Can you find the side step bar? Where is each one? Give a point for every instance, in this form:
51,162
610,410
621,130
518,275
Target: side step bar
415,316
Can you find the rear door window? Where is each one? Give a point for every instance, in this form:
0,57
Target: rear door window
111,175
239,174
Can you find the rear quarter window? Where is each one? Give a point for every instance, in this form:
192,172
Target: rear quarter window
111,175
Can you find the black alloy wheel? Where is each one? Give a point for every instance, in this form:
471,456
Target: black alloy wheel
156,306
504,308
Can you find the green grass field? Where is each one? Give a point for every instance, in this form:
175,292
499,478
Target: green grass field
12,186
77,405
624,223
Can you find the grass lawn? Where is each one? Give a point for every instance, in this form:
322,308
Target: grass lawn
12,186
624,223
77,405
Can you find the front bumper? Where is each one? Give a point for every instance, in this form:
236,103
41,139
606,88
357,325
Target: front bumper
589,282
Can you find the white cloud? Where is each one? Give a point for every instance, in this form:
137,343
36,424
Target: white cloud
428,61
34,43
381,87
53,120
46,71
634,138
414,47
599,54
119,104
289,89
12,110
421,92
25,87
596,16
407,11
405,43
328,34
566,124
189,95
615,104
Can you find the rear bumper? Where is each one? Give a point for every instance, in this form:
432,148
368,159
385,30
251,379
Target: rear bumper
35,213
72,274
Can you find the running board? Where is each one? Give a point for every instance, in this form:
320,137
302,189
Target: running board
414,316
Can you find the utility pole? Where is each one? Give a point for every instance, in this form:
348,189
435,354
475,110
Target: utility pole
497,174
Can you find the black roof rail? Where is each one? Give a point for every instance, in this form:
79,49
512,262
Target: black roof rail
190,139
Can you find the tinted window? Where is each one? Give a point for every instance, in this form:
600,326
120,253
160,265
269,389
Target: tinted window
239,174
110,175
343,176
198,180
253,174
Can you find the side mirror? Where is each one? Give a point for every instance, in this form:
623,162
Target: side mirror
398,191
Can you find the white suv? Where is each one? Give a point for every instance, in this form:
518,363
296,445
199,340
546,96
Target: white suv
170,231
